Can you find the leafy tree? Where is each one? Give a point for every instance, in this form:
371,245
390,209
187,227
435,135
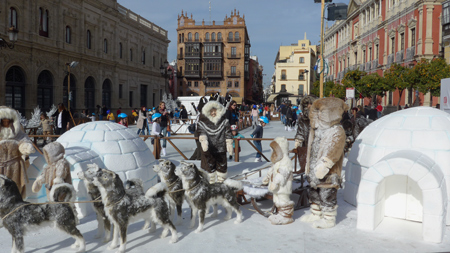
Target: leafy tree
353,79
327,88
398,77
373,85
427,75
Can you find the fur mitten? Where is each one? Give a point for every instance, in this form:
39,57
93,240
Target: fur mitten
203,139
322,168
230,146
37,185
58,180
298,143
26,148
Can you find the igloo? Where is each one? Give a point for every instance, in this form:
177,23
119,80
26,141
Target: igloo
399,167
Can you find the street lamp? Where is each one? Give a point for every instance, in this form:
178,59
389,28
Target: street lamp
12,34
205,81
166,73
70,65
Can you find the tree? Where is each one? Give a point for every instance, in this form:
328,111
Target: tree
428,74
373,85
398,77
327,88
353,79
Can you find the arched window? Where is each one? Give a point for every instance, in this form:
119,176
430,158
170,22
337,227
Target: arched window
189,36
131,54
106,93
105,46
45,90
73,90
230,36
283,74
143,56
236,36
68,35
213,36
219,36
88,39
43,22
89,94
207,37
120,50
15,89
197,37
13,18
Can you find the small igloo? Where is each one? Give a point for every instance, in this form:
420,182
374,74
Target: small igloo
399,167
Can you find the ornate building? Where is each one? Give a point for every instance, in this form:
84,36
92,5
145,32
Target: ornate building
216,53
118,51
378,33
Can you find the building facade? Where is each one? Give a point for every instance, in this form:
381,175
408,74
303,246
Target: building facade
378,33
119,55
293,70
254,85
216,53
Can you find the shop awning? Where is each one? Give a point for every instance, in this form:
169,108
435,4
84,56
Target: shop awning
238,100
271,98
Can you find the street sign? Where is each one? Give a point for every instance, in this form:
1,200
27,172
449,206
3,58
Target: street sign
350,92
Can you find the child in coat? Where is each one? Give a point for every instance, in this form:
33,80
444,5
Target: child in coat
258,133
46,127
236,135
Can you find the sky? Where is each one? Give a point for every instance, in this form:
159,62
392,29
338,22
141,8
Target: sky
270,23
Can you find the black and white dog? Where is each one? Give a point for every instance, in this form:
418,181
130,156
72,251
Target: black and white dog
133,186
22,217
200,194
122,208
166,171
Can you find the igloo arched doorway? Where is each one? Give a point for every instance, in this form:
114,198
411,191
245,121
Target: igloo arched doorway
408,185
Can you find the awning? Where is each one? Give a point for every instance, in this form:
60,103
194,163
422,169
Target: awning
237,99
271,98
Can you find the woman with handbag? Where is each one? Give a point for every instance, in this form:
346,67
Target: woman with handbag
142,121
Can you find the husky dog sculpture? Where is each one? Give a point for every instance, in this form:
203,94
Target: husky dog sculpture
200,194
166,171
20,217
123,208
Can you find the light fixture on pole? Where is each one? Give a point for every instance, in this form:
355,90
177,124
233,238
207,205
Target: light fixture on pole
12,34
70,65
166,73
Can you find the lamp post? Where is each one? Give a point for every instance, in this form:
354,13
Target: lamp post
70,65
166,73
205,81
12,34
307,83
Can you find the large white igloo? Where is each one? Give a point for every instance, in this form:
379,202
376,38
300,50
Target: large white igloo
399,166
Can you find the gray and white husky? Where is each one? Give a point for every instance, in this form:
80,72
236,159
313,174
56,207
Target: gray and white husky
166,171
133,186
123,208
200,194
30,217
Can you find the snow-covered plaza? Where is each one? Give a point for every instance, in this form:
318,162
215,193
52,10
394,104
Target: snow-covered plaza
255,233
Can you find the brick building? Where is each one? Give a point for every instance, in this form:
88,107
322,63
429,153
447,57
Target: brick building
378,33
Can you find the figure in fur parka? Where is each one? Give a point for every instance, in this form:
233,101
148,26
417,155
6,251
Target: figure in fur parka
324,160
57,170
303,126
11,129
12,164
280,179
215,139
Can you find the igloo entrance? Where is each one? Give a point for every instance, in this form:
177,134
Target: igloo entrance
406,185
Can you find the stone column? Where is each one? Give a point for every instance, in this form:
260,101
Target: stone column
429,31
419,41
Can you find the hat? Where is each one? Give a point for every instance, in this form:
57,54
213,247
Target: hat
108,111
93,114
156,116
234,127
264,119
122,115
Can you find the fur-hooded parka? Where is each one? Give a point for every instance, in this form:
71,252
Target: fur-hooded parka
15,131
12,164
217,128
326,141
57,170
280,174
303,125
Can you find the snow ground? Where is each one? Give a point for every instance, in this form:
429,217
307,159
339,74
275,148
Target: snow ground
255,233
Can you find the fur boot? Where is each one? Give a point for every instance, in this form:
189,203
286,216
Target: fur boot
284,214
221,177
316,214
328,219
212,177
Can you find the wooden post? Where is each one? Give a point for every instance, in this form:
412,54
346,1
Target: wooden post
156,147
236,150
176,148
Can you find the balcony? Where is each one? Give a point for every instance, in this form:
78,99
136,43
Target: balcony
283,77
410,53
399,57
180,57
213,54
234,40
362,67
213,73
194,40
301,77
234,74
192,55
375,64
390,60
234,56
192,73
353,67
368,66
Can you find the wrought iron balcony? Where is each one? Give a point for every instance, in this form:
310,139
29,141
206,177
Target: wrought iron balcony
234,74
180,57
213,54
192,55
192,73
233,40
410,53
234,56
399,56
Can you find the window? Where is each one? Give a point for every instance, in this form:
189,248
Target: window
120,91
207,37
233,70
302,59
106,93
364,56
219,36
236,84
105,46
130,99
413,37
45,90
376,51
179,38
303,45
236,36
189,84
283,74
197,37
43,22
13,18
189,36
88,39
213,36
143,57
370,54
283,87
402,41
230,84
230,36
233,51
68,35
154,61
131,54
392,45
195,84
301,75
89,93
143,94
120,50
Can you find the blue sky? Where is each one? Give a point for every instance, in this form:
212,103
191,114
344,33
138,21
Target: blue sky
270,23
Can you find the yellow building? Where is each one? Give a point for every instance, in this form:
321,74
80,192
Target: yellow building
293,71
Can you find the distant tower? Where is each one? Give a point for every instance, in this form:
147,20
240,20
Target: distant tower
305,36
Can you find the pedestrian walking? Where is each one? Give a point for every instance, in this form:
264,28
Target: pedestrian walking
142,122
258,133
